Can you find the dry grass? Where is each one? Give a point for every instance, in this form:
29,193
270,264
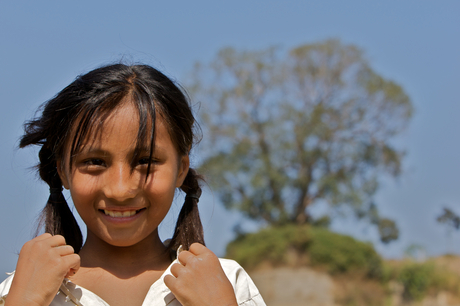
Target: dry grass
356,290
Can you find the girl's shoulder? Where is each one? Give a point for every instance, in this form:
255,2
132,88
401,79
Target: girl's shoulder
245,289
61,299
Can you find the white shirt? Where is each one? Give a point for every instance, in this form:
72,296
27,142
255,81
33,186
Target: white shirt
71,294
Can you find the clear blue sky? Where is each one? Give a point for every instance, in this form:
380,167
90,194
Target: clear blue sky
45,44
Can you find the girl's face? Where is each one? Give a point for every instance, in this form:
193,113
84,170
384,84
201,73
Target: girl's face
109,190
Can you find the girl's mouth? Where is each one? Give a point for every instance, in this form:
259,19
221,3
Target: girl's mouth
121,214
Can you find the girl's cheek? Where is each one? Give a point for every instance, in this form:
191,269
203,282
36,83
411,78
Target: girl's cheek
84,186
160,188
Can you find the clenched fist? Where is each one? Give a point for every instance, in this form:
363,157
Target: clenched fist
198,279
43,264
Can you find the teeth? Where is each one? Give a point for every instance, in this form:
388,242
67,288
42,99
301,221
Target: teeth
119,214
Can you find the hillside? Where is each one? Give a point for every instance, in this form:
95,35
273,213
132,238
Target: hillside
316,267
283,286
300,286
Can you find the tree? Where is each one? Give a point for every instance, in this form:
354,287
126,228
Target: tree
286,130
450,219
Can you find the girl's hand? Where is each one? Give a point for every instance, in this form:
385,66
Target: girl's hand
43,264
199,279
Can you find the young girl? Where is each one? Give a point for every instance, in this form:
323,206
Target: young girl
119,139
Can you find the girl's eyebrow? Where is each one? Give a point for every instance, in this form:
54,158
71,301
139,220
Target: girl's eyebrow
143,149
157,149
92,150
101,151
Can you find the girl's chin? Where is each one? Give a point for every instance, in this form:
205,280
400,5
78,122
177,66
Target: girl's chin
122,241
126,237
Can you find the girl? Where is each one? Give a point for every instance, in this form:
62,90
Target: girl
119,139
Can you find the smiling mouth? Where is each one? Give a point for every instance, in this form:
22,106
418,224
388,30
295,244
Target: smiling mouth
121,214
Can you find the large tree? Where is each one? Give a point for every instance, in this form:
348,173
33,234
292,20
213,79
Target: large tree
285,130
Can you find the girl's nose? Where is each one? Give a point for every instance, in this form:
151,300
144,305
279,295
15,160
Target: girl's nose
121,183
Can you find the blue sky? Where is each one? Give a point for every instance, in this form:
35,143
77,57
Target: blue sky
45,44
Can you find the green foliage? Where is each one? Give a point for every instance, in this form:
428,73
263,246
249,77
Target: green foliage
323,221
342,254
416,279
450,219
285,130
387,230
421,278
337,253
269,244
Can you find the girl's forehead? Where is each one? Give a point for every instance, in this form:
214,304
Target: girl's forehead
96,125
121,120
123,123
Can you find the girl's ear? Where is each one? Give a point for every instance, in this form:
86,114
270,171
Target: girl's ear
184,165
62,175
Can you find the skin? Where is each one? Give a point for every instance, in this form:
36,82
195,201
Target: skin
198,279
42,265
122,256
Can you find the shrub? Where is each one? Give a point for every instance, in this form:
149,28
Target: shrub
419,279
342,254
270,245
337,253
416,279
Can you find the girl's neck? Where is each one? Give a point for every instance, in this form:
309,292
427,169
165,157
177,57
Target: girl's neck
148,254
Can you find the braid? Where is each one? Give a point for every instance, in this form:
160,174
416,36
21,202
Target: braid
188,227
56,216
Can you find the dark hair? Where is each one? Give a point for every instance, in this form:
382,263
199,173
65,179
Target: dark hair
69,117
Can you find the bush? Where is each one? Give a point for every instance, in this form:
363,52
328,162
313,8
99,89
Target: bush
341,253
269,245
416,279
337,253
419,279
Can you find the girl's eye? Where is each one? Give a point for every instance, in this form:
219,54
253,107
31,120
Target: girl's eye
146,160
94,162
